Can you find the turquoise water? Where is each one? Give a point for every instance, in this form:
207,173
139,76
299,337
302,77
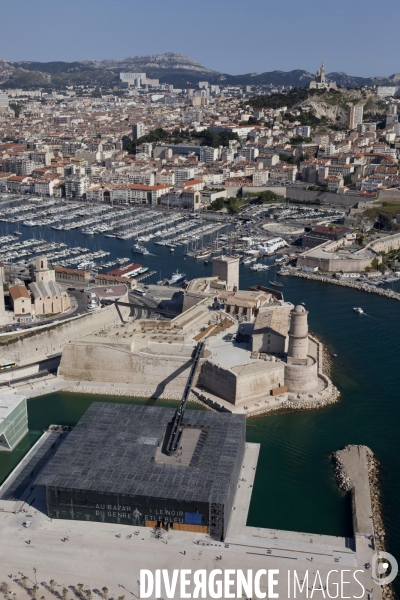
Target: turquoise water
294,486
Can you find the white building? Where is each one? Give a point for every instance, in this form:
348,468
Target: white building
138,130
392,116
4,105
260,178
304,131
209,155
135,79
356,115
45,186
164,176
76,186
249,152
384,91
183,174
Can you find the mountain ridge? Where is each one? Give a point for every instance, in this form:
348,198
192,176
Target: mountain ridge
170,67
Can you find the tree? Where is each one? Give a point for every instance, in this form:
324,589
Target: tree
347,180
5,588
374,263
16,108
105,592
64,593
52,585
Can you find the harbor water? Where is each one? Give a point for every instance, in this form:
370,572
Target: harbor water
294,487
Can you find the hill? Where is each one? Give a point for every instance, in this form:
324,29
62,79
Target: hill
173,68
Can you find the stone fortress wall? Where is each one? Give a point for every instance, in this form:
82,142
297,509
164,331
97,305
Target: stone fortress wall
241,384
52,341
96,360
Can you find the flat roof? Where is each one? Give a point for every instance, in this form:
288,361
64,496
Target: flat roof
8,403
126,270
113,449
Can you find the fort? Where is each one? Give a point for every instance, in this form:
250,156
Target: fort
258,354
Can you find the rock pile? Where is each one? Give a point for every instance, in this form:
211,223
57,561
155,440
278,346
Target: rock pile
328,398
342,479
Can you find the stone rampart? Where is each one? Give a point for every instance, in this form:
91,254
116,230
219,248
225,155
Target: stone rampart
242,383
89,361
51,341
385,244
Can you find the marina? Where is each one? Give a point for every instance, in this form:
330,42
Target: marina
93,238
299,461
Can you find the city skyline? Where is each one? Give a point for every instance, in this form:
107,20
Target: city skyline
273,34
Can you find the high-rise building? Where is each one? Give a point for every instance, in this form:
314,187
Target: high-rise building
391,115
356,114
4,105
137,130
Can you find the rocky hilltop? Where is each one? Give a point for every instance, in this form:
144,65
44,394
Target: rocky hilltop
334,105
167,61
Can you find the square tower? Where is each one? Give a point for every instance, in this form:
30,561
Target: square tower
226,268
40,270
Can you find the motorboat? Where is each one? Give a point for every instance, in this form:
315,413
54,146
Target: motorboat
139,249
358,310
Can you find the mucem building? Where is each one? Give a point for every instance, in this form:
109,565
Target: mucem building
13,421
114,467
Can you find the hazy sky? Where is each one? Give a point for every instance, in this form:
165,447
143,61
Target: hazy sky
360,37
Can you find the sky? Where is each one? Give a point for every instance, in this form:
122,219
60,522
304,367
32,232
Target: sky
359,37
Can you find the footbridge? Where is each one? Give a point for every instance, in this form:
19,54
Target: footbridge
176,425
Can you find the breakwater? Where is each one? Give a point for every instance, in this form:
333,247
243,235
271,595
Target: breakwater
345,482
363,287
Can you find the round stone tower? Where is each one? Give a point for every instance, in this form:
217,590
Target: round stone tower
298,335
301,369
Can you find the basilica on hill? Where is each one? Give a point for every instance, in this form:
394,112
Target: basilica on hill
320,82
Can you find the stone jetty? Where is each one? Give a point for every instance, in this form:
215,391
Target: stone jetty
353,464
355,285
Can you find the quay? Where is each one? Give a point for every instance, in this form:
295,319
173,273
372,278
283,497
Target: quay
363,287
57,548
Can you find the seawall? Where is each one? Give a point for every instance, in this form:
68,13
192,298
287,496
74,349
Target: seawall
51,341
363,287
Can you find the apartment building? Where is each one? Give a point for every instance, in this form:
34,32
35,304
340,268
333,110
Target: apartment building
76,186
